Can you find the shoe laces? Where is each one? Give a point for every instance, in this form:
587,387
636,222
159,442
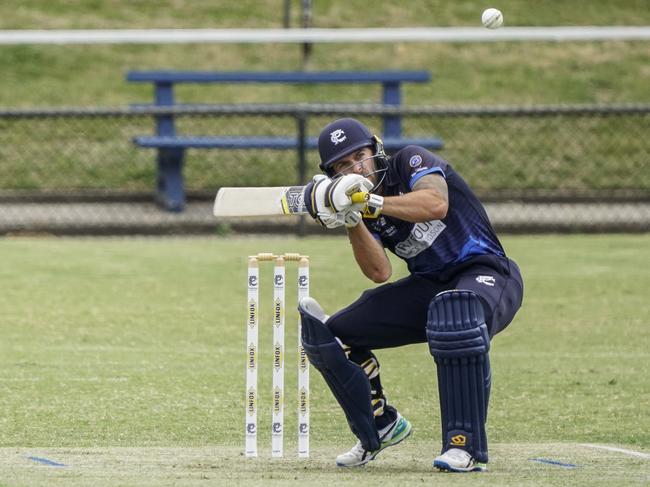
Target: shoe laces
458,454
358,449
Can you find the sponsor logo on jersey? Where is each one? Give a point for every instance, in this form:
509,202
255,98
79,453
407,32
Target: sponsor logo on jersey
487,280
337,136
415,160
383,227
422,236
390,230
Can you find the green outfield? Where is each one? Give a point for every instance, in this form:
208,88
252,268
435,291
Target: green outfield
123,361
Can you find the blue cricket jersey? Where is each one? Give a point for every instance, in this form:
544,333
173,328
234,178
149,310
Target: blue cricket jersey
430,247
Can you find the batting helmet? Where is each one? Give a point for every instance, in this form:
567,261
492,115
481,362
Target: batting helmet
341,138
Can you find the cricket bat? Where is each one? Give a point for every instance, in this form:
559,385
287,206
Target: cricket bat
265,201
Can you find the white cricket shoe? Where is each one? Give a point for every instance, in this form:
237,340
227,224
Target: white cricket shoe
457,460
391,435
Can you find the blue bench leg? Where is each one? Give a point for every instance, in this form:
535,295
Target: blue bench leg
171,193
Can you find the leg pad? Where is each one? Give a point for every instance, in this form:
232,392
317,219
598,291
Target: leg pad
459,342
347,380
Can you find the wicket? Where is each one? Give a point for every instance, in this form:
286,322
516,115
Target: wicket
277,422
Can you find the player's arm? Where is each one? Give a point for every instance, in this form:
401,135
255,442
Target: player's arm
428,201
369,254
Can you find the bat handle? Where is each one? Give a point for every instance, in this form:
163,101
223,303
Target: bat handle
359,197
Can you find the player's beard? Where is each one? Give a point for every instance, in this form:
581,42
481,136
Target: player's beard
376,175
371,175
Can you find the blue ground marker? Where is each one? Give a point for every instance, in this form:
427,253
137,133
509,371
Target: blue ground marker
45,461
554,462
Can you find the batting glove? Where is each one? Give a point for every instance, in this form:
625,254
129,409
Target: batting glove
340,191
352,218
373,206
315,195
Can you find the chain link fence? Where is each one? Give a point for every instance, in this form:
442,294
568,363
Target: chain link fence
560,168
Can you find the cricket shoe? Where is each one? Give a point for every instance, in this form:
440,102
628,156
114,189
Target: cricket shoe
391,435
457,460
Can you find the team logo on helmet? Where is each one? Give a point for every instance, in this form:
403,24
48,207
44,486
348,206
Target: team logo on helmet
415,161
337,136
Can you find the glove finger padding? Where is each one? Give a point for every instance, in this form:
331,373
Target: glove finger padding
352,218
373,206
315,196
332,220
339,192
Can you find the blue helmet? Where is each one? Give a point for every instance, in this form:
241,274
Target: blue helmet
343,137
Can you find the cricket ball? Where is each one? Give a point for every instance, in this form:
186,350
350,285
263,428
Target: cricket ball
492,18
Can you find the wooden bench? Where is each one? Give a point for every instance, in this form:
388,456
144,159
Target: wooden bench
171,147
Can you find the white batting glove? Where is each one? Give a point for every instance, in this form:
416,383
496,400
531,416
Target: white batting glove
317,205
352,218
332,220
373,206
340,190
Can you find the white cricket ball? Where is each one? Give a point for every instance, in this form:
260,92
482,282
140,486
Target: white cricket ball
492,18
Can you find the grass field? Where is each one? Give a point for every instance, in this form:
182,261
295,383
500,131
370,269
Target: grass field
123,360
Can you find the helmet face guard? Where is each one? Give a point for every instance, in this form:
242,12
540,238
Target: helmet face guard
343,137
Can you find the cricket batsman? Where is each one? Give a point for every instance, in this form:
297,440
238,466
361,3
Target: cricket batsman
461,291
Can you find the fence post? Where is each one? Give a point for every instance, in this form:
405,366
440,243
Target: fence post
170,191
392,95
306,24
301,119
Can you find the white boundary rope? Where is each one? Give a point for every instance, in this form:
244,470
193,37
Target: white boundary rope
408,34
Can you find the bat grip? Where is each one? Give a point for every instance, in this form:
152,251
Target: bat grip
359,197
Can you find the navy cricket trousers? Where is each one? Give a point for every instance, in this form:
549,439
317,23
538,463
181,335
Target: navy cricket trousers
395,314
